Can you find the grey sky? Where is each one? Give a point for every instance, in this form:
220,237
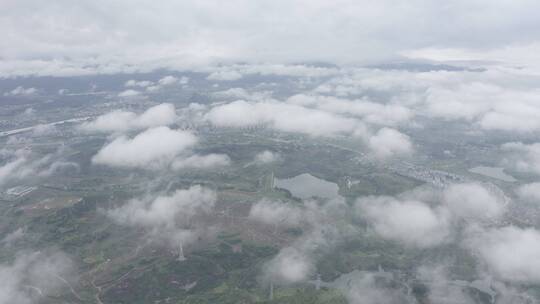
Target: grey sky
109,35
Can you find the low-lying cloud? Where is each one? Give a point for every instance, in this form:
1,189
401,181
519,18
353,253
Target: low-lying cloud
32,276
412,223
276,213
121,121
511,253
201,161
167,217
473,201
23,164
523,157
283,117
151,149
387,143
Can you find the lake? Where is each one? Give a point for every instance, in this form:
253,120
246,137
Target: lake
306,185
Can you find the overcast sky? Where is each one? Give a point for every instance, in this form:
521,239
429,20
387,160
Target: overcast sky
111,35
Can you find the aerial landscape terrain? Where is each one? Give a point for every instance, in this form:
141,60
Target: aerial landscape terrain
253,153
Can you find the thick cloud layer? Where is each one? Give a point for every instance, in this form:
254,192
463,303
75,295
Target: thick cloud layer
83,37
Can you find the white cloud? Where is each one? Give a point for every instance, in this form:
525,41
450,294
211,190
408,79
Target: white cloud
466,101
240,93
29,112
488,104
201,161
59,167
23,165
21,91
266,157
529,192
178,34
129,93
276,213
9,169
184,80
519,54
368,111
151,149
280,69
120,121
294,117
290,266
168,80
412,223
525,157
511,253
224,76
441,289
388,143
44,130
473,201
322,225
32,276
169,217
364,289
495,99
13,237
111,122
238,71
282,116
165,210
141,83
160,115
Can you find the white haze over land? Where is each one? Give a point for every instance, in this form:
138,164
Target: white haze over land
34,275
22,164
168,217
